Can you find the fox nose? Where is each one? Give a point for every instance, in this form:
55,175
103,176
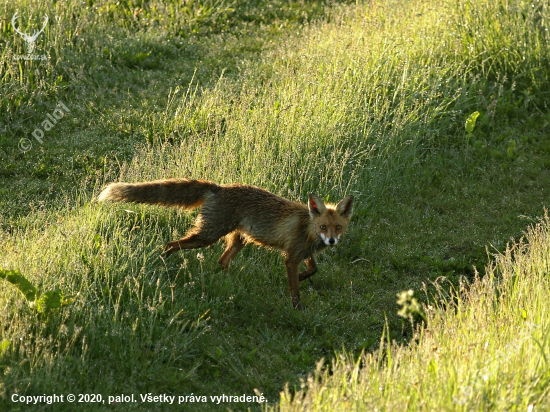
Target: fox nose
332,241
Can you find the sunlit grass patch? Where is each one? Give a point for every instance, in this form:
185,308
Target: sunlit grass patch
485,344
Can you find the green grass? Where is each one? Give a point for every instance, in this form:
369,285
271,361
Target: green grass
484,347
369,100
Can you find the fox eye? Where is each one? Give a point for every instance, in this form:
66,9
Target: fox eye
323,227
338,227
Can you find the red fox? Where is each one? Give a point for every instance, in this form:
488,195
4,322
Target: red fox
246,214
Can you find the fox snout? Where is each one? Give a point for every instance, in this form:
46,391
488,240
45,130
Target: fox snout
330,240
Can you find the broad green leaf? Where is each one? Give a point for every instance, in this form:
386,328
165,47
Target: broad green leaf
53,299
49,300
471,122
21,283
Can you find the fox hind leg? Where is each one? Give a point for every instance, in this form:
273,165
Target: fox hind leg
193,240
234,244
205,233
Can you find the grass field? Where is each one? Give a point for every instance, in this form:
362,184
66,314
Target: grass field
332,98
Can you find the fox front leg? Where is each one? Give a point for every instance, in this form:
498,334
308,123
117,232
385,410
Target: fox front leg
293,282
311,269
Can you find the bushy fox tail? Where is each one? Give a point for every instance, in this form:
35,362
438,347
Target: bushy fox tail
184,193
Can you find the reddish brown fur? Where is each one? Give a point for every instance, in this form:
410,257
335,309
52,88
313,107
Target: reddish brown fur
244,214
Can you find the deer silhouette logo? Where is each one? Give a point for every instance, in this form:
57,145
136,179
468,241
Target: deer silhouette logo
29,40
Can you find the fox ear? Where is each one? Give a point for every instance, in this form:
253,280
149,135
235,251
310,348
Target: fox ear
345,207
316,206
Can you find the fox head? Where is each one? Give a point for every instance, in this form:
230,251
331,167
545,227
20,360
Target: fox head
330,221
